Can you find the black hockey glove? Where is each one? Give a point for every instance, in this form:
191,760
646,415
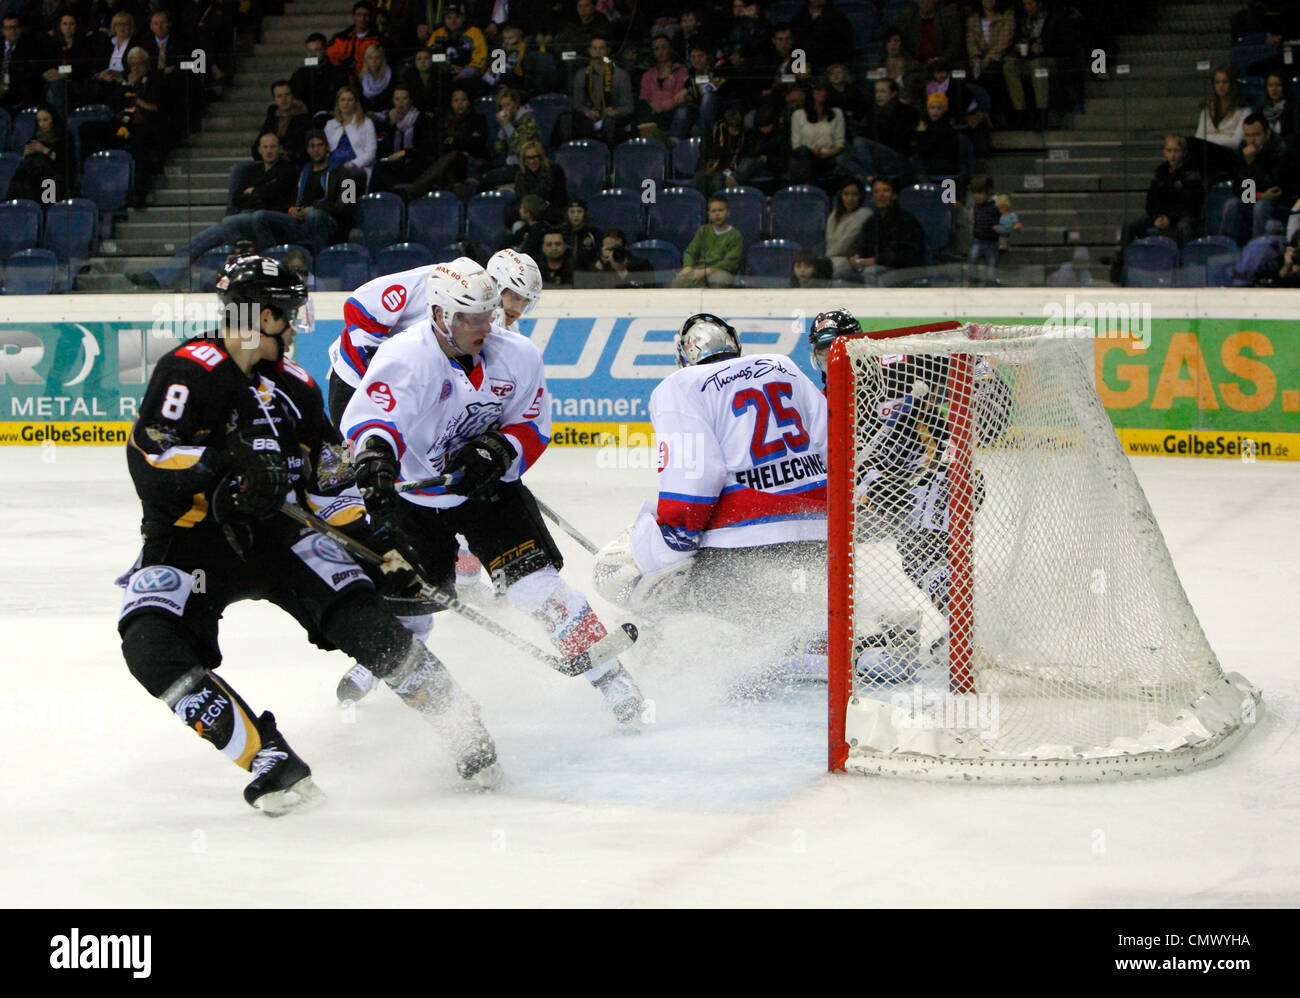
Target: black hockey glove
259,476
481,463
377,469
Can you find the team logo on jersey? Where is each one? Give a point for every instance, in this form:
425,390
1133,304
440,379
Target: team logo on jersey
446,391
382,396
535,409
327,550
394,298
158,579
501,388
663,454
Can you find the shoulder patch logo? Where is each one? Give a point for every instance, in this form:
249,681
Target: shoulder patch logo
663,454
446,391
380,394
394,297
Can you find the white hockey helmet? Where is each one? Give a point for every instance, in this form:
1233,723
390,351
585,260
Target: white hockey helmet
459,286
703,337
517,272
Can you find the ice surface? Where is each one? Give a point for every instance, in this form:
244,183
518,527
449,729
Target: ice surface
107,801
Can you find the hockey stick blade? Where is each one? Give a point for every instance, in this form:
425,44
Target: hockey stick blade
610,646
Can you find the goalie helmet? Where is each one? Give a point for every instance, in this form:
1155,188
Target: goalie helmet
824,330
263,282
516,272
704,337
456,287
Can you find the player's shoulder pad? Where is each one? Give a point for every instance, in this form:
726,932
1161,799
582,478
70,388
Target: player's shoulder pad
206,353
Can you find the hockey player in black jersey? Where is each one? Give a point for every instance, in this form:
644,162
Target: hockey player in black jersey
229,430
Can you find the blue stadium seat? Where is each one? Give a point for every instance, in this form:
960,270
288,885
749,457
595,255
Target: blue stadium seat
344,267
663,256
1254,255
799,214
109,181
70,228
24,127
770,264
675,215
924,202
402,256
77,118
20,226
31,272
618,208
747,208
639,160
284,249
435,219
483,223
547,109
379,221
1208,263
1216,199
586,166
207,267
686,158
1150,263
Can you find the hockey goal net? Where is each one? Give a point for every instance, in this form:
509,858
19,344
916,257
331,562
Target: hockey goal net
1002,603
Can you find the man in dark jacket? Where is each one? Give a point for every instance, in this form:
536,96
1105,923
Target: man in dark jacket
891,240
1268,167
1174,198
932,31
317,84
322,212
289,119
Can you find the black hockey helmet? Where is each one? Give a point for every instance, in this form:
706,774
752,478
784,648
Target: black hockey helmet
264,282
826,326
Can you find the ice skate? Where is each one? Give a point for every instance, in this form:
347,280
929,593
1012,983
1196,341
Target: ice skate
281,780
355,684
622,695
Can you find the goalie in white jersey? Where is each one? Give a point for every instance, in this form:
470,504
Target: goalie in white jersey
456,395
739,527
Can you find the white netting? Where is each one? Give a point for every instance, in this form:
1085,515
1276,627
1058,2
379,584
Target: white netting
1015,613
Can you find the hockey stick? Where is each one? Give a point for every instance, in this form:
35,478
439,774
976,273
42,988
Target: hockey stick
610,646
565,525
438,481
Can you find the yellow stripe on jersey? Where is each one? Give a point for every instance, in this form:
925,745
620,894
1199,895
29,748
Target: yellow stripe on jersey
173,458
195,513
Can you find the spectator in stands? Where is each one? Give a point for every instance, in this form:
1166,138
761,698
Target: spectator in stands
702,87
102,12
990,34
1174,198
110,63
936,150
530,225
1042,42
464,46
72,49
1224,112
713,256
1270,166
1282,271
627,270
577,35
931,31
844,225
516,128
288,119
824,33
720,155
137,124
463,142
409,146
586,249
22,63
984,226
43,172
891,240
963,110
694,32
536,174
350,133
907,73
602,98
324,206
527,68
849,98
316,83
665,106
817,137
267,184
1279,108
347,49
890,139
1074,273
376,83
750,32
421,81
556,268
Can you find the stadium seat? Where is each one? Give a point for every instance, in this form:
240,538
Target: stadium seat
586,166
619,208
379,221
663,256
748,209
483,223
402,256
435,219
1216,198
1254,255
547,109
70,228
77,118
284,249
1208,263
24,127
675,215
1150,263
20,226
799,214
8,167
639,160
770,264
344,267
207,267
487,106
31,272
924,202
686,159
109,181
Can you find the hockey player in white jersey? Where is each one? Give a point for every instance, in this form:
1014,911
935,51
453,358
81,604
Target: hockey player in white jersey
739,527
454,395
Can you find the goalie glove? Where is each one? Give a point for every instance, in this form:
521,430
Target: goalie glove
480,464
258,478
376,470
638,568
